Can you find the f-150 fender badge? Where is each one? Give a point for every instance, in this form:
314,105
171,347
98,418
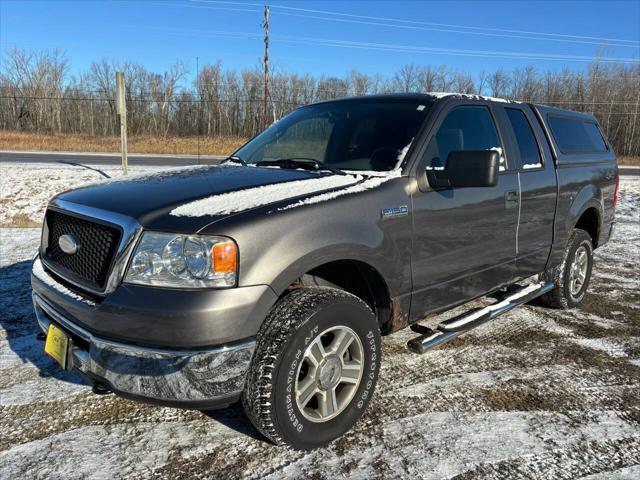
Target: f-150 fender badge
395,211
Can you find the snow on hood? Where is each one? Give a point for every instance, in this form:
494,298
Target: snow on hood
248,198
158,176
375,180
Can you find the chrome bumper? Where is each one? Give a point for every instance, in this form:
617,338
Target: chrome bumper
199,378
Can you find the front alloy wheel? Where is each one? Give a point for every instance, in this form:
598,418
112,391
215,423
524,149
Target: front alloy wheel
314,369
329,374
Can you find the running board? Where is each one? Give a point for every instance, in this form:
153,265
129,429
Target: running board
450,329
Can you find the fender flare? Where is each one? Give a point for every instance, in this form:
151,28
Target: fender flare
588,197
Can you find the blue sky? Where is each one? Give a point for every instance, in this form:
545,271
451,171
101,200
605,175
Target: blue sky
387,34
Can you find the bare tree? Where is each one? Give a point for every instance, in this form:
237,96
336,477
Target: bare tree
37,95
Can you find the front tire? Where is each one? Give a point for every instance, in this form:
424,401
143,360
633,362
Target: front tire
573,274
314,369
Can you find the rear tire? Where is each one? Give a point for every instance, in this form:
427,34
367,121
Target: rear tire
573,274
314,369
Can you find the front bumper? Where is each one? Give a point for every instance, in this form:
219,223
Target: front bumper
192,377
202,378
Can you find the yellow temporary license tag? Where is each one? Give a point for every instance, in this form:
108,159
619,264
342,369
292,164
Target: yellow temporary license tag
56,345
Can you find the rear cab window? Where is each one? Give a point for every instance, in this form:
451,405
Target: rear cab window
576,135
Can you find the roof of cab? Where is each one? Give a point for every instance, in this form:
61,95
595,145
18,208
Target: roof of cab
427,96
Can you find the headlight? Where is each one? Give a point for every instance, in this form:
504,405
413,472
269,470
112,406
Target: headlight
184,261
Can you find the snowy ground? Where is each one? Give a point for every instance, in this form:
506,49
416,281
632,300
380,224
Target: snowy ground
25,189
537,393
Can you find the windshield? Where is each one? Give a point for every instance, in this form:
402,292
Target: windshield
352,135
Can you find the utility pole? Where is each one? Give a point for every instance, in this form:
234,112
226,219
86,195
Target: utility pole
121,109
265,99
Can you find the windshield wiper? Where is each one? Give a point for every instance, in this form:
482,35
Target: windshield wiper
300,162
235,159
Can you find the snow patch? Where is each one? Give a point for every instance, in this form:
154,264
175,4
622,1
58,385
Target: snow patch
368,184
81,452
240,200
43,390
160,175
502,166
468,96
404,151
479,438
47,279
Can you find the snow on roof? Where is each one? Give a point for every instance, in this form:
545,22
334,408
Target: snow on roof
468,96
240,200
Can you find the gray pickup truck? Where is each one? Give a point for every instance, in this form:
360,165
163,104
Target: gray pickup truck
271,277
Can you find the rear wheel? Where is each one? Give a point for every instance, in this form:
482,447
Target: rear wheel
314,369
572,276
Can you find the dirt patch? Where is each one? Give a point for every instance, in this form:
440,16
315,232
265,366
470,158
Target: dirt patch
21,220
602,306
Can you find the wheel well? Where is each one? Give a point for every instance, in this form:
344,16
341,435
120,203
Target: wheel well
355,277
589,221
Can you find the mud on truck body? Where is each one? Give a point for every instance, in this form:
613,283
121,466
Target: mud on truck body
271,277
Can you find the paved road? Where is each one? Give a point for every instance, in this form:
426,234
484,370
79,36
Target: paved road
144,159
107,158
624,170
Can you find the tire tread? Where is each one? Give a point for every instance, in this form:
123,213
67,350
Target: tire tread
281,323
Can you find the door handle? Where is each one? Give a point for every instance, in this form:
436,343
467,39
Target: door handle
511,199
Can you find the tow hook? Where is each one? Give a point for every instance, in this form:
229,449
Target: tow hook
41,336
100,389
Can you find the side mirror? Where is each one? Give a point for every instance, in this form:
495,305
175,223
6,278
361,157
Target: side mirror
467,168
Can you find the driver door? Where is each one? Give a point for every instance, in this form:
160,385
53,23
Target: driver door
464,239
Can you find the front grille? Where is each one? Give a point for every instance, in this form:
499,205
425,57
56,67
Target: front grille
97,244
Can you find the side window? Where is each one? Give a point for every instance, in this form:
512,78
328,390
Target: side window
464,128
596,137
575,135
527,145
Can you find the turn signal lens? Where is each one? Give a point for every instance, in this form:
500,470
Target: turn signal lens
225,257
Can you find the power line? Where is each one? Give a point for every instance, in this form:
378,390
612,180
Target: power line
434,28
416,22
401,48
463,32
448,51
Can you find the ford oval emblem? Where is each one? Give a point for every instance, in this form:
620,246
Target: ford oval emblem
68,244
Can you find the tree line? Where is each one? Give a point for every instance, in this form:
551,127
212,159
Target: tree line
38,94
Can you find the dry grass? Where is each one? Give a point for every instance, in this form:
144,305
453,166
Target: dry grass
137,144
629,161
141,144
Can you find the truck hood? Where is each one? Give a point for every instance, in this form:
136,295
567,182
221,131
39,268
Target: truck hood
186,199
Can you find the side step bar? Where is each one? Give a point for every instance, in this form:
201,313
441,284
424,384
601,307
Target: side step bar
450,329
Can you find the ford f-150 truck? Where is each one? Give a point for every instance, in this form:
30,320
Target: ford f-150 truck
270,277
